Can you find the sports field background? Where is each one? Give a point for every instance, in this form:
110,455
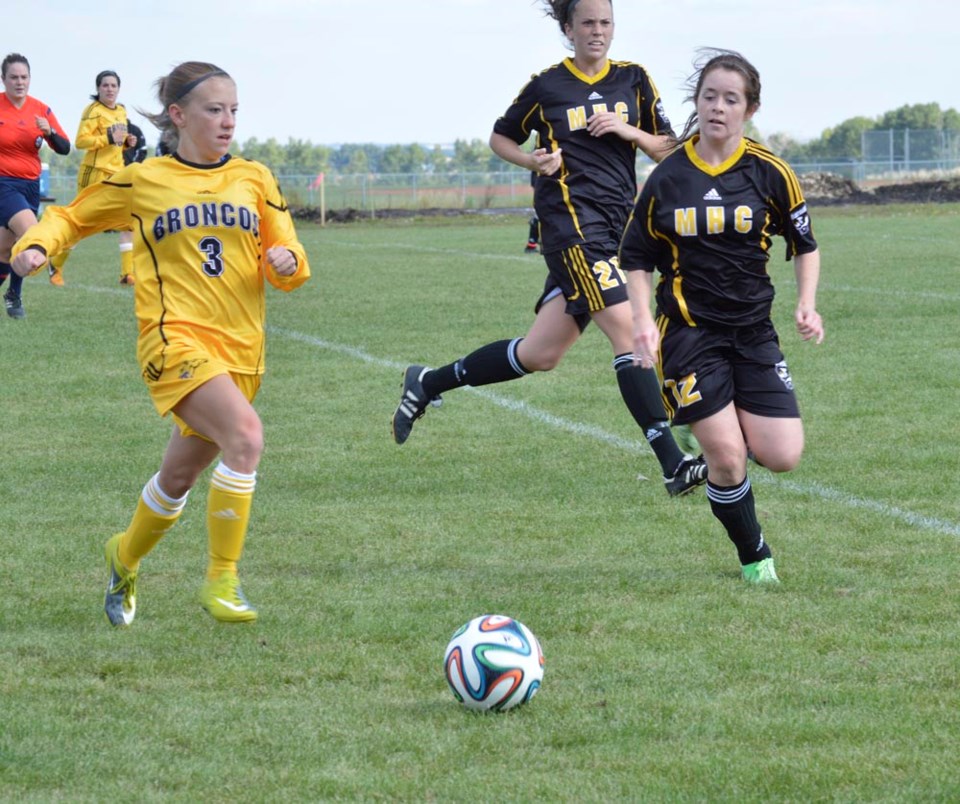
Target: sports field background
666,678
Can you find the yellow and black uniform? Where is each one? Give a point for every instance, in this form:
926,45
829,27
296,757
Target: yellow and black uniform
590,197
200,235
103,157
708,230
201,238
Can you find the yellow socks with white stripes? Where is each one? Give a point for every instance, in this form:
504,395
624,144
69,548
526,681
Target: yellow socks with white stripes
228,514
59,260
126,260
156,514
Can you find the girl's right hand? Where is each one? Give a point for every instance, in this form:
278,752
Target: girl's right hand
28,261
546,163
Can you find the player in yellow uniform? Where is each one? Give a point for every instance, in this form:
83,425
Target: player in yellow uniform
104,135
208,229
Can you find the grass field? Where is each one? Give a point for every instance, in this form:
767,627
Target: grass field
666,678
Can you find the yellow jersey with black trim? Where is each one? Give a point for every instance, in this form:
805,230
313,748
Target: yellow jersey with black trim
93,137
200,238
590,197
708,231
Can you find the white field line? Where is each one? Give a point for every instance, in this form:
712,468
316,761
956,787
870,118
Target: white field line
825,285
596,433
636,447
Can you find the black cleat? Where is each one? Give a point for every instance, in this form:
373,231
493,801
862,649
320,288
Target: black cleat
530,247
691,472
413,403
14,305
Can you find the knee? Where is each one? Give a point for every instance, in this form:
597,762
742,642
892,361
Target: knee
541,359
544,362
243,445
782,460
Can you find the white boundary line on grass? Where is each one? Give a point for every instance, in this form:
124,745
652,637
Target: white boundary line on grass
596,433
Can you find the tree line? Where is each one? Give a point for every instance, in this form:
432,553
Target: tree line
302,157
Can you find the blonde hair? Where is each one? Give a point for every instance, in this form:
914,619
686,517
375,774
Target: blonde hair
173,88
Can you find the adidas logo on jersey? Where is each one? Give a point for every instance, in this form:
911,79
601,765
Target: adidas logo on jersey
595,96
712,195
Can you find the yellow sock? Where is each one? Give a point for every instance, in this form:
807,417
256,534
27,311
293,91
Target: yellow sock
228,514
59,260
156,514
126,259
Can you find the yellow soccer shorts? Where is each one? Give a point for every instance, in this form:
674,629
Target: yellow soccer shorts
179,370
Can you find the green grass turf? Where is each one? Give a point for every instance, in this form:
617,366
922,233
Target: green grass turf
666,678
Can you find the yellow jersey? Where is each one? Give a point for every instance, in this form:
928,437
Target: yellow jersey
93,137
201,233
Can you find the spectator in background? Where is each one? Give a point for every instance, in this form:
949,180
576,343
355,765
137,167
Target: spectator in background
104,134
533,235
137,152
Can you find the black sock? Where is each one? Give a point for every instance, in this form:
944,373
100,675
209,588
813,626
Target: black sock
16,281
640,389
734,507
495,362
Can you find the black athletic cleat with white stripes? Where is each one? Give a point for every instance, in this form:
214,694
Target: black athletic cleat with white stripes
691,472
413,403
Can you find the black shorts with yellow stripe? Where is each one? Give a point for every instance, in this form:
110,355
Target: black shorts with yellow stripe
589,277
703,370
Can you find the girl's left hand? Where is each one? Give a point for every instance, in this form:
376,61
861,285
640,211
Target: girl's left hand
282,260
44,125
603,123
809,324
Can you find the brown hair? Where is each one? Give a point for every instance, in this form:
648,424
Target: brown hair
173,88
13,58
99,79
562,11
710,59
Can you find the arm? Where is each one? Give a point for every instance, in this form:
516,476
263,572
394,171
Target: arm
59,143
101,206
807,269
539,161
89,137
656,146
646,336
286,265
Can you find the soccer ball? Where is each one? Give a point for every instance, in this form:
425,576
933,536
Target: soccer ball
493,663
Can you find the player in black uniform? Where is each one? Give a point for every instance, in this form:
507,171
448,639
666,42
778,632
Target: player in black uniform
533,234
590,115
705,220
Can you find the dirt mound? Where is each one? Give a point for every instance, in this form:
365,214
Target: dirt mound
919,192
820,189
830,188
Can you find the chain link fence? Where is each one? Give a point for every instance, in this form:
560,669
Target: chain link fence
888,156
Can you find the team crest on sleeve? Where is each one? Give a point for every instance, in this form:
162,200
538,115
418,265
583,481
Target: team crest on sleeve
661,113
801,220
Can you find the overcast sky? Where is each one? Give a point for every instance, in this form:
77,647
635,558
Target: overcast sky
432,71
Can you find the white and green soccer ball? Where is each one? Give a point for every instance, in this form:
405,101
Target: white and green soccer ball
493,663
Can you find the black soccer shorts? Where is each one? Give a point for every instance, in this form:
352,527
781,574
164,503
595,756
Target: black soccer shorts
703,370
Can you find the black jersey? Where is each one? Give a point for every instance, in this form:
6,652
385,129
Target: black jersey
590,197
708,230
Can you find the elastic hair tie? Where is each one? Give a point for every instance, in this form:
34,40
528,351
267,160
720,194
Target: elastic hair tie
192,85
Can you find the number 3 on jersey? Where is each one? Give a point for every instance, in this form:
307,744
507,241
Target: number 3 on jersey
213,248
